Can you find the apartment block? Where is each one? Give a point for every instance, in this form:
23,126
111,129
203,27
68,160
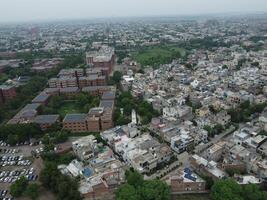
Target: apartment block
7,93
75,122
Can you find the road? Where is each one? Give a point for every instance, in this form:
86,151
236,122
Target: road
201,148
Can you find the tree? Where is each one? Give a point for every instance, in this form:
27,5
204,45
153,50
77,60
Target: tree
18,187
212,109
155,190
117,77
209,181
137,188
253,192
229,189
32,191
224,67
134,178
60,136
232,172
63,186
19,132
226,190
245,104
49,175
128,192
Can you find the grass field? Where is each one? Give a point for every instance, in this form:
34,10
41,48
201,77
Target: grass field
69,107
155,56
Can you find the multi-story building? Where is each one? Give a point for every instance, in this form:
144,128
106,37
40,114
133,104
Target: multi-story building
75,122
69,92
186,181
46,121
97,90
41,98
103,59
7,93
71,72
84,147
65,81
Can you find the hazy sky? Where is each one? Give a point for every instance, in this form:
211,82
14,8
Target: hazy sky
28,10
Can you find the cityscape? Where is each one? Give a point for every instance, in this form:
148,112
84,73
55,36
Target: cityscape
169,107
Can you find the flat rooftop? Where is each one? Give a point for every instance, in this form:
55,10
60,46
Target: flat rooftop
46,119
108,95
42,97
106,103
75,118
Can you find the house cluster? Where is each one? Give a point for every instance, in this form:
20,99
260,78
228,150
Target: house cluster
181,137
144,153
242,153
100,172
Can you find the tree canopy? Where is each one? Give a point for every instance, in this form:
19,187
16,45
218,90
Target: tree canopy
63,186
229,189
137,188
18,187
13,133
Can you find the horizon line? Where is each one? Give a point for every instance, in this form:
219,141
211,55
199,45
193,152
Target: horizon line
210,14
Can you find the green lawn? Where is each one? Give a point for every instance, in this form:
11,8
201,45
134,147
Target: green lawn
155,56
69,107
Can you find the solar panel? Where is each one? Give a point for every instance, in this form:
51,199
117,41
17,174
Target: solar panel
188,171
188,176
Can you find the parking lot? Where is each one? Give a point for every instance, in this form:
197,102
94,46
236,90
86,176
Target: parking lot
15,162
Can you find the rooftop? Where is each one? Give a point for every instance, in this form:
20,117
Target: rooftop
75,118
46,119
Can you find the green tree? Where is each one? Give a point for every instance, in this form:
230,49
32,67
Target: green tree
32,191
63,186
49,175
253,192
138,189
134,178
127,192
155,190
226,190
117,77
18,187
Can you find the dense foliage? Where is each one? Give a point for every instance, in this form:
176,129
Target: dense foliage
245,111
21,187
212,131
127,102
14,133
25,94
229,189
63,186
137,188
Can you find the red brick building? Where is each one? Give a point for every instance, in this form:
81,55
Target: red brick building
7,93
186,181
103,59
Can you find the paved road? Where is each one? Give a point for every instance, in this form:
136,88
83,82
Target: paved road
201,148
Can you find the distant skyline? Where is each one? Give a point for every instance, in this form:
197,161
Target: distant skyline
40,10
